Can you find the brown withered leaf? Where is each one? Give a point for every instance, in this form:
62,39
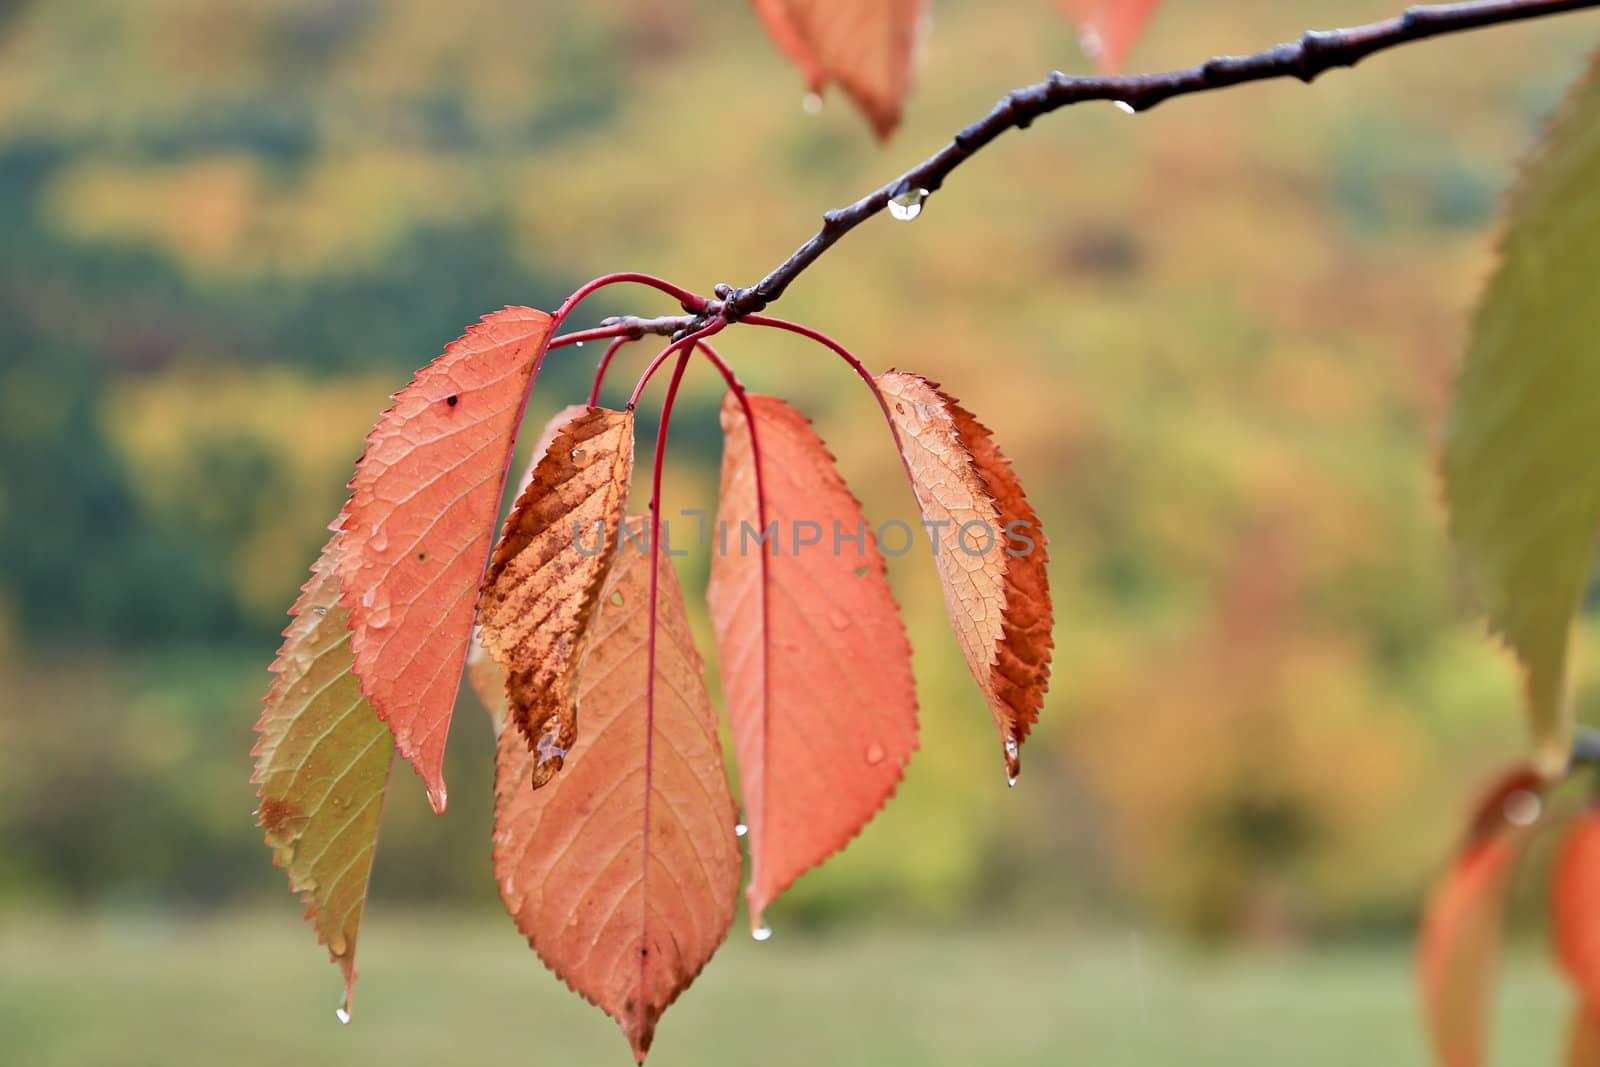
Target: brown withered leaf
868,46
483,673
815,663
989,547
623,872
542,584
322,762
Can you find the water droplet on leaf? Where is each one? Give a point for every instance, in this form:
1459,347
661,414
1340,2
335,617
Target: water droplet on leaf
811,103
741,829
907,204
319,611
839,619
875,753
581,457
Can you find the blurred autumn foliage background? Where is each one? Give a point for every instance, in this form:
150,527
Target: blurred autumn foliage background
1216,338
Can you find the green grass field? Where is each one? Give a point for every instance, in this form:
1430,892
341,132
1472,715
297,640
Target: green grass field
246,991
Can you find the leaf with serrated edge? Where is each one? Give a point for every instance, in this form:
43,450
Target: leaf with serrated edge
420,522
1459,946
1522,445
815,663
540,592
322,762
989,547
868,46
1109,28
623,872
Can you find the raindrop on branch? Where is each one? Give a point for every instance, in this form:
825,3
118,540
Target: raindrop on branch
907,204
1125,107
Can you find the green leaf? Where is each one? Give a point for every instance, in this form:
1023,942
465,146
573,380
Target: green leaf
323,762
1522,448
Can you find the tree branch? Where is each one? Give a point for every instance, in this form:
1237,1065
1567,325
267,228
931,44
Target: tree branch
1314,53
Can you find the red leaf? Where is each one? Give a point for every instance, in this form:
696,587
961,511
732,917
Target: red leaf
1461,925
1575,906
1109,28
623,871
815,662
867,46
786,35
419,524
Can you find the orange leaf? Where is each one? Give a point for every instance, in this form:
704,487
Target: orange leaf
1575,906
323,762
420,522
540,592
815,662
989,547
1583,1040
1109,28
1461,924
867,46
624,871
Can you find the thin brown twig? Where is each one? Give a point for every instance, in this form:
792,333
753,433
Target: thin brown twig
1315,52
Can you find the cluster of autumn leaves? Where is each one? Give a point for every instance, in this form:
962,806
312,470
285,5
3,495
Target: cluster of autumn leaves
616,841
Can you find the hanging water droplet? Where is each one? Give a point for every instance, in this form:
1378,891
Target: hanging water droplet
1125,107
342,1012
1522,808
875,753
762,933
578,343
740,830
907,204
811,103
1011,781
